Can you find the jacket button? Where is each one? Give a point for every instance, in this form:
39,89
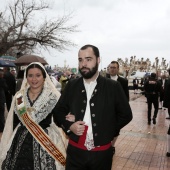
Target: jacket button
94,124
92,104
95,134
82,111
93,115
84,101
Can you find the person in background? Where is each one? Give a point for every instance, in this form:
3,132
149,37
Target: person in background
135,85
20,77
166,104
161,98
101,109
11,82
114,75
31,140
152,89
13,72
55,82
63,81
3,89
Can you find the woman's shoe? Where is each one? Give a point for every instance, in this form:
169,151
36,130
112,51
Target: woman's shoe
168,154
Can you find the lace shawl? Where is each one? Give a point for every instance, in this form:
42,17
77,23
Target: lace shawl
42,106
50,94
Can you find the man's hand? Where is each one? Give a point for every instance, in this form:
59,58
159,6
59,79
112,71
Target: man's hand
78,128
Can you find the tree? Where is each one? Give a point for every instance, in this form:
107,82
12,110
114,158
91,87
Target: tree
20,32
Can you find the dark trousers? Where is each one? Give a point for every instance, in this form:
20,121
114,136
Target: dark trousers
8,100
78,159
2,116
152,99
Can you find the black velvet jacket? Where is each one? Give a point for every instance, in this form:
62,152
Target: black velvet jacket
124,84
110,110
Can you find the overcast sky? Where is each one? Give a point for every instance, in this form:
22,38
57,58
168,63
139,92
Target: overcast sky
119,28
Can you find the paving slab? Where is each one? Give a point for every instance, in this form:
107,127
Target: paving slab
141,146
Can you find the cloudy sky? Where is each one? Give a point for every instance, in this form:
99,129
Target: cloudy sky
119,28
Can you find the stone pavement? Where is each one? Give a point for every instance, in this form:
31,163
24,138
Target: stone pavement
141,146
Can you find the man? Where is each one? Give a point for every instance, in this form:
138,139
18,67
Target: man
166,102
161,99
100,108
135,85
114,75
3,89
152,89
11,82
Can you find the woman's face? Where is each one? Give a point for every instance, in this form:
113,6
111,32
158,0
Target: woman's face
35,78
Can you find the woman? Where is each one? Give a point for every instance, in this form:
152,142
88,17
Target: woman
36,142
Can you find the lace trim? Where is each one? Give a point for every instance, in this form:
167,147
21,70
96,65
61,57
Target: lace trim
89,143
42,106
8,162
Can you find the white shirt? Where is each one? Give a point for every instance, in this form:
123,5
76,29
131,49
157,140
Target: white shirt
114,77
87,117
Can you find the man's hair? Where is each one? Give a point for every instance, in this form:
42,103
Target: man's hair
95,49
153,75
115,62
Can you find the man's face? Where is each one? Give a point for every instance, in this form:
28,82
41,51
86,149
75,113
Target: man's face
88,63
113,69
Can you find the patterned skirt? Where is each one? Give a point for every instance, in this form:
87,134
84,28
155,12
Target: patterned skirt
25,153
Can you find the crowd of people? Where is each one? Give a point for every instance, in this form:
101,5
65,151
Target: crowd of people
55,124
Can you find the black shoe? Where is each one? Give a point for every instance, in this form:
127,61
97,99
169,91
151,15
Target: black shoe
113,149
167,117
149,122
154,121
160,108
168,154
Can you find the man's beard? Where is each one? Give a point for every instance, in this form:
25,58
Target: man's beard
91,73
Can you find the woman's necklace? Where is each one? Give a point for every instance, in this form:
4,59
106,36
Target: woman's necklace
33,95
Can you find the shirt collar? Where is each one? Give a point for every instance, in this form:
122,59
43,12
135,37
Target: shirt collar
114,77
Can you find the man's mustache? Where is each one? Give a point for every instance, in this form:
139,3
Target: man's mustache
84,68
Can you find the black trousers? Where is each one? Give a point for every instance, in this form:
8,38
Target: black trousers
78,159
8,100
2,116
152,99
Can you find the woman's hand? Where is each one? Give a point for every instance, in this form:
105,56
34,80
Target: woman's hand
70,117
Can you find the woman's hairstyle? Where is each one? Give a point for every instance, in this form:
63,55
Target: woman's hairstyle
36,66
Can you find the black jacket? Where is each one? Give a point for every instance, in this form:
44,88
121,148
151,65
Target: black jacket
166,102
11,82
110,110
3,89
124,84
152,87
